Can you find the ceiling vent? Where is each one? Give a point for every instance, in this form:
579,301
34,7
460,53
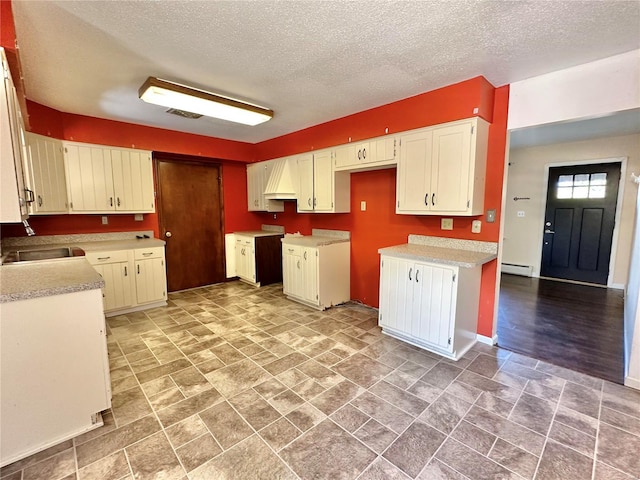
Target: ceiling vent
183,113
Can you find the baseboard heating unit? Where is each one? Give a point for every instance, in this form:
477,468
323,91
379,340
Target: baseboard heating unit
524,270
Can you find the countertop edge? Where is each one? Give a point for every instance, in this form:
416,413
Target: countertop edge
483,257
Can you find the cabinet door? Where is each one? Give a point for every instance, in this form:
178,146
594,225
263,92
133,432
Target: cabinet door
292,272
132,180
363,153
432,320
46,174
382,149
90,178
414,171
396,293
344,156
13,196
323,181
305,178
117,292
253,180
310,275
451,157
150,280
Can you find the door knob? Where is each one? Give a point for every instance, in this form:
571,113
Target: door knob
167,234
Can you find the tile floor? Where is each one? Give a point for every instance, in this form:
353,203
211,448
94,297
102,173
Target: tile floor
230,382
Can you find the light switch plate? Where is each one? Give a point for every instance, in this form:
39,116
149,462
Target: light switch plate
476,226
105,220
363,205
491,215
446,223
137,217
521,213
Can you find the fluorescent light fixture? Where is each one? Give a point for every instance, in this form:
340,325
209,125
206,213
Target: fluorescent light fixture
174,95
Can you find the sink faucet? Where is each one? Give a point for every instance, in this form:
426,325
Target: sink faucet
28,228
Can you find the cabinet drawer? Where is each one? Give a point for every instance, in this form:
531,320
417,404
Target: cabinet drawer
144,253
288,249
244,241
96,258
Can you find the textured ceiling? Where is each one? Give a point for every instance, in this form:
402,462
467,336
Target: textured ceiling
309,61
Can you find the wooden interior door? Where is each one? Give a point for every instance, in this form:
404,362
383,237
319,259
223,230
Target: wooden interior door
579,221
191,222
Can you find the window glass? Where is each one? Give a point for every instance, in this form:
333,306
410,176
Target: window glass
583,185
565,181
581,180
565,192
597,191
598,179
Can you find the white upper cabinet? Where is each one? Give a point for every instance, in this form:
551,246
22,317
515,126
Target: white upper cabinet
257,178
368,155
14,197
441,170
132,180
320,188
108,180
46,178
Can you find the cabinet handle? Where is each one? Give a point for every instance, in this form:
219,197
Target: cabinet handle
118,201
309,201
417,274
298,264
138,269
290,250
305,255
146,254
39,200
104,258
125,271
359,151
433,199
111,201
315,202
364,153
426,199
410,270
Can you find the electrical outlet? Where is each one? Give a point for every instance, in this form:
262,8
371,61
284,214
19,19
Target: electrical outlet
105,220
446,223
137,217
476,226
363,206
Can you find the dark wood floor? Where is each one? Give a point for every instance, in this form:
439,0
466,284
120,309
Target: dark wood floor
573,326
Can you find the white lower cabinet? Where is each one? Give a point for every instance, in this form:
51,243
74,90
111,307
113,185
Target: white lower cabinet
151,277
318,276
54,371
245,258
430,305
134,279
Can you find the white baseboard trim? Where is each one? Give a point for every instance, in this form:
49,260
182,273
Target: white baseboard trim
617,286
487,340
632,382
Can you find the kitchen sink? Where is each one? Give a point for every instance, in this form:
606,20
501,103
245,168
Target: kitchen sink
42,254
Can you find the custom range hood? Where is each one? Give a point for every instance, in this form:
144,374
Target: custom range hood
281,184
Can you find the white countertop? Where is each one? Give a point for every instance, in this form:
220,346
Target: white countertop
447,256
258,233
311,240
24,281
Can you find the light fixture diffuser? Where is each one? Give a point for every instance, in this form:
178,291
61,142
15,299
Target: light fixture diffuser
174,95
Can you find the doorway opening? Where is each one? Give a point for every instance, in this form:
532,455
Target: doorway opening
579,221
191,220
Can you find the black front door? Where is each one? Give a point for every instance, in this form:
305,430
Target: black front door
579,220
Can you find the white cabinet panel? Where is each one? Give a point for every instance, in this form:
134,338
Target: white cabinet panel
245,258
430,305
103,179
151,280
441,169
46,175
317,276
257,178
372,154
117,292
322,181
13,193
306,183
